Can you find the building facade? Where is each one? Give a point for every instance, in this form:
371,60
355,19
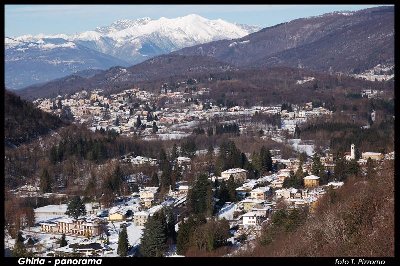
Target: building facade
79,227
311,181
238,174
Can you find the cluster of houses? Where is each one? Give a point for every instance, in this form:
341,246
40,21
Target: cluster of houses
120,113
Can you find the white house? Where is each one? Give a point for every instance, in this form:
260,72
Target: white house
251,219
147,195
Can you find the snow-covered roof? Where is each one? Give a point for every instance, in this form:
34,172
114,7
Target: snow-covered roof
149,189
252,201
370,153
261,189
60,208
268,178
90,224
234,171
311,177
266,208
66,220
52,208
155,209
182,158
48,223
250,214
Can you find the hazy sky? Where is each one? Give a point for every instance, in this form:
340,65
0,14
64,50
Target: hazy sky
68,19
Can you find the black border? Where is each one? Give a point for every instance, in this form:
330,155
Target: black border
243,261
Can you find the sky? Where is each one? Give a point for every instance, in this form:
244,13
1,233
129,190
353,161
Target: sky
70,19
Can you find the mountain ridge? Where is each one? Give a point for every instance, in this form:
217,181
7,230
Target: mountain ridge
283,39
122,43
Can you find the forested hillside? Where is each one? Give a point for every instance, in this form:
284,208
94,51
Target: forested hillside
23,122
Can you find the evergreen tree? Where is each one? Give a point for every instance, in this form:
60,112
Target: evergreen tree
297,132
232,189
183,238
244,162
76,208
149,117
370,172
53,155
200,196
138,122
59,104
210,159
317,167
45,181
210,150
223,193
19,249
340,169
63,241
293,181
162,158
266,159
352,168
256,161
171,221
166,176
188,148
153,238
155,127
154,180
299,173
303,157
229,157
174,153
123,243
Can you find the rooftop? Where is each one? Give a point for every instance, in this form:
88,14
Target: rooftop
234,171
311,177
250,214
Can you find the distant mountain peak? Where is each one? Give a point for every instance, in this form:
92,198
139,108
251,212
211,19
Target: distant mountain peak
123,42
122,24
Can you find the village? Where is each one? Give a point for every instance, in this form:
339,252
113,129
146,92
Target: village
96,232
133,112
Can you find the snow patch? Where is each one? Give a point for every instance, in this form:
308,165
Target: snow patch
304,80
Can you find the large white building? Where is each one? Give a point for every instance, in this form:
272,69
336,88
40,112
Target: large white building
68,226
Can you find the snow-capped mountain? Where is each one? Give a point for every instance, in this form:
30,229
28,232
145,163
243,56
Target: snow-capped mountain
141,39
123,42
30,62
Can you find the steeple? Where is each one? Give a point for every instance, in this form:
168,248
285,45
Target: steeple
353,152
